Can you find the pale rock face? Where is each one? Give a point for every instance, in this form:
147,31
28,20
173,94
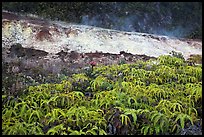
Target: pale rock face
82,38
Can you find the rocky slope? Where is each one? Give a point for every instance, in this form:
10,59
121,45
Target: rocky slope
54,37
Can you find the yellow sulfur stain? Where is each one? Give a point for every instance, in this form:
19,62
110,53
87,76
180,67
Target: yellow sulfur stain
6,30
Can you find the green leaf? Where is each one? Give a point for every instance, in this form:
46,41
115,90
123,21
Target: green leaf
157,129
4,96
164,124
182,118
190,118
154,115
63,101
75,132
157,118
56,129
102,132
39,131
93,132
62,113
124,119
23,110
174,127
36,113
146,130
52,131
133,113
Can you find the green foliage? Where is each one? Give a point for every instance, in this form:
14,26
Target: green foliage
100,83
80,82
121,62
182,118
195,59
170,101
57,130
177,54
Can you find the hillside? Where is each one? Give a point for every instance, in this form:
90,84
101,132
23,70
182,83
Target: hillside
54,37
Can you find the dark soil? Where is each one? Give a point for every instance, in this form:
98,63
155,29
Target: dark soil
19,62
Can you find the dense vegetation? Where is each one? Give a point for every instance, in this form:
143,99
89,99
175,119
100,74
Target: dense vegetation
161,96
181,19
